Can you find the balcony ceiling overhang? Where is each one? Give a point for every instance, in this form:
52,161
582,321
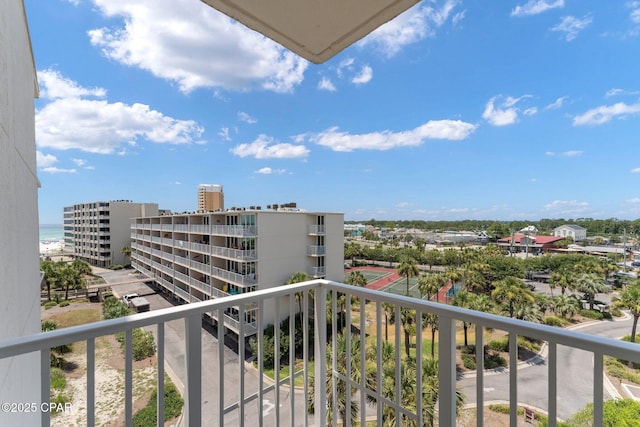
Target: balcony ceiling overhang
317,30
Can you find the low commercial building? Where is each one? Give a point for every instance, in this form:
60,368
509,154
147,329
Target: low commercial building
97,232
199,256
576,232
534,245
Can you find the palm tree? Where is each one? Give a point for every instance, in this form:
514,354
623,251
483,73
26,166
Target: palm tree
591,284
562,278
298,277
512,292
356,278
389,318
126,251
341,386
50,275
565,305
408,268
428,286
463,299
481,303
408,319
431,320
629,299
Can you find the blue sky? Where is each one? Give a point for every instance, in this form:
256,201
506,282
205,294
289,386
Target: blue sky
526,109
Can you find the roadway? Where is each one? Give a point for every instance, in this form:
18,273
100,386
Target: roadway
574,374
124,282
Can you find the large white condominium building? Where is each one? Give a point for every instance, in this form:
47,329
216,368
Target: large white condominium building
97,232
199,256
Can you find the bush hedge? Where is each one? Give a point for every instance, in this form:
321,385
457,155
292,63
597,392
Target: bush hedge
173,403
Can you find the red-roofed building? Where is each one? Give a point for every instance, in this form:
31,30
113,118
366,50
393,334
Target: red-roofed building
528,243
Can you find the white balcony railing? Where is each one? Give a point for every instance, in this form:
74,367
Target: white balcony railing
235,254
250,403
316,272
313,250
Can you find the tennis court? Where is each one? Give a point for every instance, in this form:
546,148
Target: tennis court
399,287
370,275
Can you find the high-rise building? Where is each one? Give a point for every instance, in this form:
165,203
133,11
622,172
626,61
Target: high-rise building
210,198
19,277
200,256
97,232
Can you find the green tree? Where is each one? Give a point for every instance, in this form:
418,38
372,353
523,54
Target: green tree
617,412
408,268
561,278
512,292
428,285
591,284
126,251
565,305
629,299
408,319
298,277
463,300
356,278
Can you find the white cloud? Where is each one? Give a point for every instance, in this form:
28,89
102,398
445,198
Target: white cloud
604,114
458,17
534,7
365,75
566,206
634,15
403,204
269,171
244,117
635,170
336,140
79,162
530,111
45,160
54,85
571,26
193,45
504,114
265,148
98,126
54,170
633,200
224,134
45,163
326,84
556,104
617,91
414,25
570,153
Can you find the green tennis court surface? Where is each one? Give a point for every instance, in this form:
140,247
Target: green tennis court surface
370,275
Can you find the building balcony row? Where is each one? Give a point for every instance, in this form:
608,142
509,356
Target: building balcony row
212,230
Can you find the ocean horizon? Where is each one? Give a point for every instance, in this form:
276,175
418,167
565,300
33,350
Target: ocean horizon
51,232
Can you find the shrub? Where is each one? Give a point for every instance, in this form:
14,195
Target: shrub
468,361
57,379
116,267
591,314
616,312
499,344
620,412
64,303
555,321
492,361
173,404
49,304
143,345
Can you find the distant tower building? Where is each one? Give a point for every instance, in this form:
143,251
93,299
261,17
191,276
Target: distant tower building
210,197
